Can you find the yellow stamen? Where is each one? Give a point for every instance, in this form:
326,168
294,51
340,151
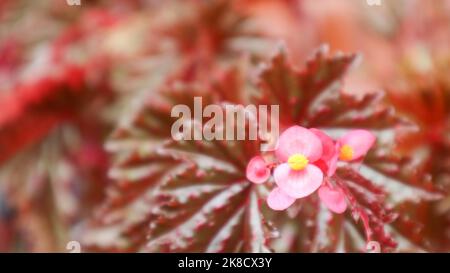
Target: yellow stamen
297,162
346,153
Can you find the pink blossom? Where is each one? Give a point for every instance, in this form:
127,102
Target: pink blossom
257,170
355,144
297,148
304,158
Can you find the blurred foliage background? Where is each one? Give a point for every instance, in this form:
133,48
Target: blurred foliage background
76,79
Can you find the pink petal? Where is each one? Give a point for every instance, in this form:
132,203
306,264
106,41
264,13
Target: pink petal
322,165
257,171
329,167
298,184
332,163
328,146
359,140
298,140
334,199
330,153
278,200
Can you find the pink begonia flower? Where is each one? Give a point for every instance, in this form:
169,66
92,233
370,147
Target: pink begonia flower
355,144
278,200
297,148
352,146
305,156
257,170
334,199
